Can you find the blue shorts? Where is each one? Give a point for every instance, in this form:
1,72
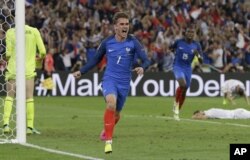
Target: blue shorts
117,89
184,73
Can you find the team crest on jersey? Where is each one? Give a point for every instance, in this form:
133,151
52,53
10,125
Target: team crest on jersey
128,49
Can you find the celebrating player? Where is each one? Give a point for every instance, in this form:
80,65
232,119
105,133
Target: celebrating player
185,50
232,88
33,42
121,50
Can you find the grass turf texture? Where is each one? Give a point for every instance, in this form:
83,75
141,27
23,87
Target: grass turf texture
146,130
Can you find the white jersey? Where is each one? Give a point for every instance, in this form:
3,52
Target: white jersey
230,86
218,62
239,113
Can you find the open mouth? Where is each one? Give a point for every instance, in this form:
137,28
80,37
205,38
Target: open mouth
124,31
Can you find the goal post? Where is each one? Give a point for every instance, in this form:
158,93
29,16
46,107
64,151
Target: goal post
20,72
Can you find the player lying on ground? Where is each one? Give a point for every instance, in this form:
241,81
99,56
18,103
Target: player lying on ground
217,113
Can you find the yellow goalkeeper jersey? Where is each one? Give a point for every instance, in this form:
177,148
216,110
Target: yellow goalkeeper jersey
33,43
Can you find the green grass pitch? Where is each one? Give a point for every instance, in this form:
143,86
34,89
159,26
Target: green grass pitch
146,130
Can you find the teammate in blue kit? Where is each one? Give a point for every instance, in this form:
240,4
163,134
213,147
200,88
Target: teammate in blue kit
121,51
185,51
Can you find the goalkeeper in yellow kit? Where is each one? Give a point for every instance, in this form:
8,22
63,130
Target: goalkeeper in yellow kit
33,43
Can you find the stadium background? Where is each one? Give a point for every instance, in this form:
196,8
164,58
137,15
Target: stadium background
73,29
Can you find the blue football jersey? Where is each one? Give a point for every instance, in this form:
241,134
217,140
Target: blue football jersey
184,52
120,57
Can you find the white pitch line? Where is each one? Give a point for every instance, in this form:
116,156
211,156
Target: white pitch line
191,120
60,152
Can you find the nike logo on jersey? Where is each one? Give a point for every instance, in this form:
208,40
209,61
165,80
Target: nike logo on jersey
180,48
110,50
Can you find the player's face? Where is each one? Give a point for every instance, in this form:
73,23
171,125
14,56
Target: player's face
122,28
199,115
189,34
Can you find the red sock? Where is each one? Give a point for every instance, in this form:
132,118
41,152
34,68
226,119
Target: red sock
182,99
117,118
178,93
109,123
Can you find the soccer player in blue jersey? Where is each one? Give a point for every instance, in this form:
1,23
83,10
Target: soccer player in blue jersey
185,51
121,49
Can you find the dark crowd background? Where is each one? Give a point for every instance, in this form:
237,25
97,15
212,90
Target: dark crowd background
73,29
